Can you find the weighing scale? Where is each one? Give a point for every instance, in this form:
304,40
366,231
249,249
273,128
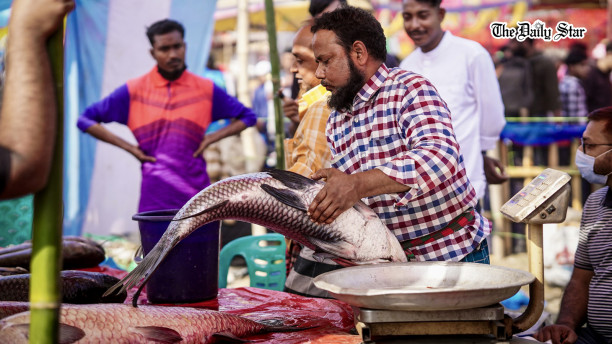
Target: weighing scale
437,302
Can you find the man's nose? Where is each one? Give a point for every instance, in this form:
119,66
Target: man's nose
293,68
319,73
411,24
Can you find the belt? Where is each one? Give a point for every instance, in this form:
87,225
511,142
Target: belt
456,224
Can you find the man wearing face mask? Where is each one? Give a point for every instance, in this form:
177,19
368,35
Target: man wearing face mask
587,296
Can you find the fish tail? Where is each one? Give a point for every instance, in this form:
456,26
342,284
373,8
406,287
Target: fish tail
141,274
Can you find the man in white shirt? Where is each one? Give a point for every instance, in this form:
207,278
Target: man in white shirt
463,72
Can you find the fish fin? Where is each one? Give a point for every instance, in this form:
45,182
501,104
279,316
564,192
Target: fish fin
285,196
218,205
325,247
69,334
158,334
141,274
229,337
291,179
363,208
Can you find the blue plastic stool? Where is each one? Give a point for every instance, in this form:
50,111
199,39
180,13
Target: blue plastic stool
265,264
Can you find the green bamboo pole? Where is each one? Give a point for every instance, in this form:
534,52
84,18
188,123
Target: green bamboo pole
274,62
45,294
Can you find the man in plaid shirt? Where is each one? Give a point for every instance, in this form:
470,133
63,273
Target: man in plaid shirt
573,98
392,146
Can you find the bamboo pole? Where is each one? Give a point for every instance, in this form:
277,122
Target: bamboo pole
45,294
274,62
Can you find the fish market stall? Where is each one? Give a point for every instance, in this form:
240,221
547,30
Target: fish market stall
326,320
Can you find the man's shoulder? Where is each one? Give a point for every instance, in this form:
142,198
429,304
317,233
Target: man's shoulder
468,47
414,56
399,78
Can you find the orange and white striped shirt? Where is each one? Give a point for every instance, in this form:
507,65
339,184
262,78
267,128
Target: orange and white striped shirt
308,151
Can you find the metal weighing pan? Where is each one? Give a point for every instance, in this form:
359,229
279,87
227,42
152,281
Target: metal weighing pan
423,286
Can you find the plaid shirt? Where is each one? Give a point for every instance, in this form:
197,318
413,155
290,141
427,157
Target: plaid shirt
400,125
307,151
573,98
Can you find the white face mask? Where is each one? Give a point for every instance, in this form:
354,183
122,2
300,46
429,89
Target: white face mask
585,164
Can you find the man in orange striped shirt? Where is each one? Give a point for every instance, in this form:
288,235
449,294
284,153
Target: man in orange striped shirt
168,110
306,153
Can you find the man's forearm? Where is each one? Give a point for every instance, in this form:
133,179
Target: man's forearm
233,128
573,310
29,115
103,134
374,182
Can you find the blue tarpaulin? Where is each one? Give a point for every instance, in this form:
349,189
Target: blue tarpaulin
540,134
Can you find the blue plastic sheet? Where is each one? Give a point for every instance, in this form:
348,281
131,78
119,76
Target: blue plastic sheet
541,134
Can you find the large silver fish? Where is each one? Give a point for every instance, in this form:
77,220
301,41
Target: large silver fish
121,323
277,200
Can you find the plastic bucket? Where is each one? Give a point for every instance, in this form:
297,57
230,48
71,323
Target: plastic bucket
190,271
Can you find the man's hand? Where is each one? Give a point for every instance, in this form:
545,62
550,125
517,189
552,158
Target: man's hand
491,167
290,109
205,143
339,194
559,334
38,19
140,155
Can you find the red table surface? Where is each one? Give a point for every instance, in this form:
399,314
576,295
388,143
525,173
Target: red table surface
331,320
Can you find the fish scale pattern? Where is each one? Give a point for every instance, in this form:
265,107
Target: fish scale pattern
120,323
357,234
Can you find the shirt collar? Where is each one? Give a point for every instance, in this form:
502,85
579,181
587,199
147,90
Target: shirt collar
608,200
446,38
374,83
159,81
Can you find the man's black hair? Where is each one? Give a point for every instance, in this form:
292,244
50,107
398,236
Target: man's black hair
352,24
432,3
163,27
575,57
317,6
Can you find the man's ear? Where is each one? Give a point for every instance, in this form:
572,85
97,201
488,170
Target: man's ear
359,53
442,13
151,52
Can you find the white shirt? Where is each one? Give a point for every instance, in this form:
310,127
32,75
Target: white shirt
463,73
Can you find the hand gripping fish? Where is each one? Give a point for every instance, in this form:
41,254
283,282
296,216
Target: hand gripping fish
121,323
277,200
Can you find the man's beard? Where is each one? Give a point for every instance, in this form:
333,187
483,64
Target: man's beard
342,99
172,75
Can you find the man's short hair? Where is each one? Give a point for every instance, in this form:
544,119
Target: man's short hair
432,3
318,6
603,114
575,57
352,24
163,27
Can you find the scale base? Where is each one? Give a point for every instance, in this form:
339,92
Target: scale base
486,324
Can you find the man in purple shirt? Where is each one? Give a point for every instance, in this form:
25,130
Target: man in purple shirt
168,111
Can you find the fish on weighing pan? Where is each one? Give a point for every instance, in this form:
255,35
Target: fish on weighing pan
121,323
277,200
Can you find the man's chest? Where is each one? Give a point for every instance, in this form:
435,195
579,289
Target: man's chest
368,138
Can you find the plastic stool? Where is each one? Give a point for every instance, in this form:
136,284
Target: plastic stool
265,264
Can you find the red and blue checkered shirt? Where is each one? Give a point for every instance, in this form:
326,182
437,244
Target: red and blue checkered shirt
400,125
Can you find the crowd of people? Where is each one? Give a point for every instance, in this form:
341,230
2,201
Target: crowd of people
410,141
